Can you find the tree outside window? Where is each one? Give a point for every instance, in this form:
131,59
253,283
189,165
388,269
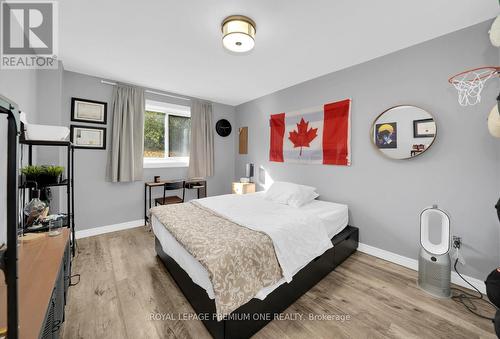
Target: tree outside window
166,135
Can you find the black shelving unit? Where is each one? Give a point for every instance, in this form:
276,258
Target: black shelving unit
9,257
68,182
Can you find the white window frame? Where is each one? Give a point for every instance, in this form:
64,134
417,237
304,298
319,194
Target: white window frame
168,109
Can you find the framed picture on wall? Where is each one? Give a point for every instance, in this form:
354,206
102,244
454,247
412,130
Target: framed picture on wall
90,111
424,128
386,135
243,141
88,137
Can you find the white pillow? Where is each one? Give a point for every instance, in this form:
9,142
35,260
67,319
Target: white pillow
302,198
290,194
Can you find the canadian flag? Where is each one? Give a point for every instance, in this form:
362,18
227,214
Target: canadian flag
319,135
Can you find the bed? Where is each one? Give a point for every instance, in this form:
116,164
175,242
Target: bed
302,267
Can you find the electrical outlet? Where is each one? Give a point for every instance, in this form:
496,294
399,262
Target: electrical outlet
457,242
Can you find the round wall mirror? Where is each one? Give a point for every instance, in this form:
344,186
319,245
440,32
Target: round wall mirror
403,132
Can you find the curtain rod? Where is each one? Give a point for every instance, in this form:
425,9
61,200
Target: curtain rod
149,91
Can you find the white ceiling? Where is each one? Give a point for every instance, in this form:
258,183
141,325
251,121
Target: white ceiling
176,45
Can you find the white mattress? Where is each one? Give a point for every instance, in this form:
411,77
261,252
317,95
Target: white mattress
334,218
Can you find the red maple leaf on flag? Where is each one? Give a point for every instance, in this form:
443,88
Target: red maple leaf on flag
303,136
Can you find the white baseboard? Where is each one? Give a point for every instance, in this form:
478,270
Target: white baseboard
108,228
413,264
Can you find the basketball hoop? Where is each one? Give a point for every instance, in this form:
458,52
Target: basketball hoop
469,84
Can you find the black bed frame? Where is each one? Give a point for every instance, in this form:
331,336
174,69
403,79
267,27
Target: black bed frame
249,318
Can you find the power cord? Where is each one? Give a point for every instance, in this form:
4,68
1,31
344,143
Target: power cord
76,275
466,298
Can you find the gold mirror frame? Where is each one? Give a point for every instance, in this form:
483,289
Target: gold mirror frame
372,132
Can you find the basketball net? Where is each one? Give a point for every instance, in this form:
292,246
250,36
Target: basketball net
469,84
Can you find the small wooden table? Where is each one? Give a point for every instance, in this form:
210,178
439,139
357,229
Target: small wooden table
198,184
243,187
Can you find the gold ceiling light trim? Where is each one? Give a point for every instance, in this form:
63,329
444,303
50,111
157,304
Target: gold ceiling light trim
238,33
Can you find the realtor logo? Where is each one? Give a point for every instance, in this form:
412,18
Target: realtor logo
28,36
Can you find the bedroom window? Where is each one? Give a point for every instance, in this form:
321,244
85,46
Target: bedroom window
167,129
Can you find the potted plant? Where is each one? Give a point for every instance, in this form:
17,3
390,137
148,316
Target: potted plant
43,175
31,173
53,174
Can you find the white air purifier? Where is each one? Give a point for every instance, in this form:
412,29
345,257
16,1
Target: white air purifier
434,263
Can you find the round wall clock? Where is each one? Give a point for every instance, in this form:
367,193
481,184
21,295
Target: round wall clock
223,127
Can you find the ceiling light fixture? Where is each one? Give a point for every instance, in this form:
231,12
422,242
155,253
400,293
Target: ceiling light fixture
238,33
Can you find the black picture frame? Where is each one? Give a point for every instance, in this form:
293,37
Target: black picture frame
415,129
75,118
103,129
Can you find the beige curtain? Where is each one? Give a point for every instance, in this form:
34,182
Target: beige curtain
201,152
125,159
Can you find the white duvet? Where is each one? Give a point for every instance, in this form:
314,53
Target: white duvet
290,226
298,237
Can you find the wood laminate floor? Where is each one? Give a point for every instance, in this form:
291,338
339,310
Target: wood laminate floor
123,283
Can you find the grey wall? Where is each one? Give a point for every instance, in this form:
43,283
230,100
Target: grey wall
46,96
20,87
101,203
460,173
49,112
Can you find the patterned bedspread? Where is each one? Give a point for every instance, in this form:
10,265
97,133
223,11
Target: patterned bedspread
239,261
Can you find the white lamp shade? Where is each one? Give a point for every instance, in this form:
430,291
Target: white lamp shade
238,42
238,34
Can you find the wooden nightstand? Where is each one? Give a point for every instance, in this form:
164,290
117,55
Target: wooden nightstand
243,187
